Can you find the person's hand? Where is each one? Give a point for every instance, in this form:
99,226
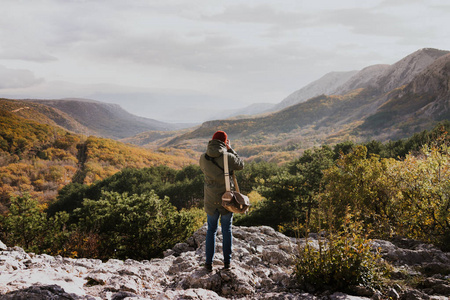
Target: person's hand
228,144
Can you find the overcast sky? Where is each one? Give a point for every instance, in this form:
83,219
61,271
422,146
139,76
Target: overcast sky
153,57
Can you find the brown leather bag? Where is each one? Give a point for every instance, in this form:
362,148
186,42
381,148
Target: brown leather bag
233,201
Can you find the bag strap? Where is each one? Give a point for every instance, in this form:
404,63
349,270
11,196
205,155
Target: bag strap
226,172
236,186
211,159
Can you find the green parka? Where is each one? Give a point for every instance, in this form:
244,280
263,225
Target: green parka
214,176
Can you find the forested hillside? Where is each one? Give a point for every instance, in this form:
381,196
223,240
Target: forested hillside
43,114
395,188
41,158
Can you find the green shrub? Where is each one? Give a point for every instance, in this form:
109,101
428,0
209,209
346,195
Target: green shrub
290,191
27,226
135,226
408,197
183,187
344,260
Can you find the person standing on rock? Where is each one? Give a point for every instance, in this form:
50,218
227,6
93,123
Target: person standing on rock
211,164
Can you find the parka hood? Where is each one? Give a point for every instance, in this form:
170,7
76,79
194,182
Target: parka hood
216,148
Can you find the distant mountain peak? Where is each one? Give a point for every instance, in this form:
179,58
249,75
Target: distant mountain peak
326,85
404,71
434,78
362,79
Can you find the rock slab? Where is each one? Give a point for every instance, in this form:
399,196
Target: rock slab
262,268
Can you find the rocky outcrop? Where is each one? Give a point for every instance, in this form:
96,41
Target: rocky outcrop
434,79
262,269
420,104
433,84
2,246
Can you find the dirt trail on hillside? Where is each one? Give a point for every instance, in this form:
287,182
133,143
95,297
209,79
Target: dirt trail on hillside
80,175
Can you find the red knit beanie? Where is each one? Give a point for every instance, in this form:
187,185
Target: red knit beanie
220,135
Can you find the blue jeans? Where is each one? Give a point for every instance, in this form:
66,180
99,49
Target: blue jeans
227,236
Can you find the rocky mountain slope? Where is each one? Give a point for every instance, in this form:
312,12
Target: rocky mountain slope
382,77
362,79
424,101
405,70
262,269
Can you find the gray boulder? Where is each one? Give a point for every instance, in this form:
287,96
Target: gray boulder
43,292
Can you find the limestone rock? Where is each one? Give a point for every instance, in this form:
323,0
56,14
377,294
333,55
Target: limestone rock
262,268
413,254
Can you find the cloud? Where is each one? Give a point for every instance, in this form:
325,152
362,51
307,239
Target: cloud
263,14
249,51
26,53
42,31
207,53
415,20
14,78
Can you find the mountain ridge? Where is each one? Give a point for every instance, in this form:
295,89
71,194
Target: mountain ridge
44,114
361,79
106,119
327,84
404,71
360,108
424,101
358,114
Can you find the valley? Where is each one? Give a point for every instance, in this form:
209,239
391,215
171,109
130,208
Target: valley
380,102
365,161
